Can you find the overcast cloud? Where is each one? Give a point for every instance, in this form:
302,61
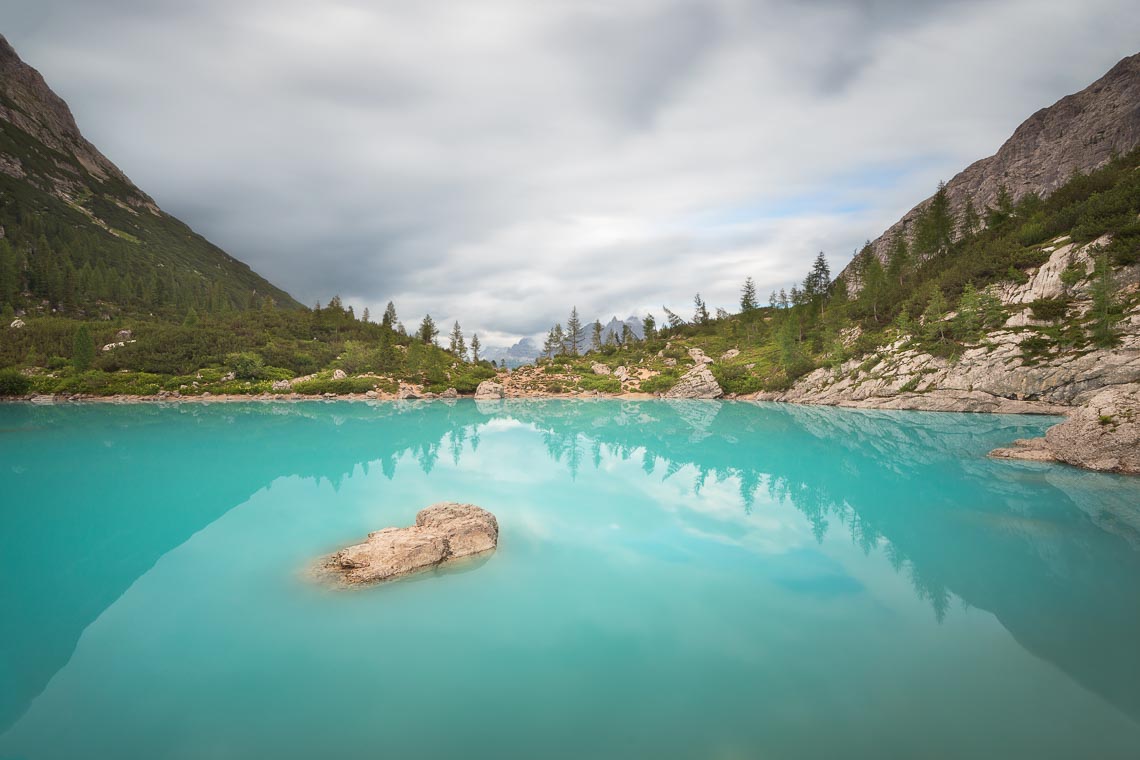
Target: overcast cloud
498,162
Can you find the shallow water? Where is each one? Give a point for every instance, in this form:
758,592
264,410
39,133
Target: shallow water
674,579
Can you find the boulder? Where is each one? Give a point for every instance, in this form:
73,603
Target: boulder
1103,435
621,373
599,369
696,383
280,385
371,394
229,376
731,353
442,533
489,389
670,362
449,393
17,323
699,356
124,335
339,374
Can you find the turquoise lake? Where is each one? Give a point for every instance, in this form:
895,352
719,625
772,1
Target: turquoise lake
673,580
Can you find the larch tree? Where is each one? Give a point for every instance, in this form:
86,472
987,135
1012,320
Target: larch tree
457,345
748,297
575,335
428,330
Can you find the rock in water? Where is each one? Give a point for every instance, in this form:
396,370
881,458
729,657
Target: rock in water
443,532
1102,436
489,389
696,383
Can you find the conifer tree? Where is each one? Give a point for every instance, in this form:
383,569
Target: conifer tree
748,296
457,345
83,350
674,320
1104,311
627,336
596,336
365,316
389,319
428,330
971,220
649,327
476,347
700,311
574,332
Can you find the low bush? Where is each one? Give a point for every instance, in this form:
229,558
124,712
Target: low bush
13,383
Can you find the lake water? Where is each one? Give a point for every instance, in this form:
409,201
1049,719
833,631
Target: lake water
673,580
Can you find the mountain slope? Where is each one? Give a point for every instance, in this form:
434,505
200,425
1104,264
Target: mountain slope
80,237
1078,133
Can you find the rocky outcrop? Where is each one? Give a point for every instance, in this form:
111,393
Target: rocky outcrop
696,383
1103,435
443,532
599,369
449,393
699,356
489,389
1080,132
338,374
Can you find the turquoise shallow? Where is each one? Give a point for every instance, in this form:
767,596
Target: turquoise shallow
673,580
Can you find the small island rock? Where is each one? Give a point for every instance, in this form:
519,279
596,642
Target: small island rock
443,532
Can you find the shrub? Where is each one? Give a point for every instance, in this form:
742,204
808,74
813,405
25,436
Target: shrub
660,383
12,383
247,365
1049,309
601,383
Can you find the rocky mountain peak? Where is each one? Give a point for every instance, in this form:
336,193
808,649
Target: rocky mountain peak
1080,132
30,105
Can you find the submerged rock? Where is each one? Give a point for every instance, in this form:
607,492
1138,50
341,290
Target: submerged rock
443,532
696,383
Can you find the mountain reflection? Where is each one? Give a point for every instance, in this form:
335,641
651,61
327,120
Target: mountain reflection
1059,573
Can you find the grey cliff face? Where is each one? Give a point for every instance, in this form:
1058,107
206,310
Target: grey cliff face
1080,132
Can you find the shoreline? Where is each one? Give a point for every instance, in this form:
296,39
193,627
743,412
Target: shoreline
914,403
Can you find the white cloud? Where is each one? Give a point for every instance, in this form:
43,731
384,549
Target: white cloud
498,162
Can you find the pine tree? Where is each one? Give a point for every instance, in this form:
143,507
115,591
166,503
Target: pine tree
83,350
574,332
191,318
818,279
783,299
932,325
772,301
673,320
559,339
550,345
365,316
934,228
649,327
971,221
748,296
458,346
389,319
428,330
627,336
1104,311
596,336
476,347
700,311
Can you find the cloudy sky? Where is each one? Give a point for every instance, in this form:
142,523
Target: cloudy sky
499,161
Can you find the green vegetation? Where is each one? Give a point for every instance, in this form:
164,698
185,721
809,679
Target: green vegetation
934,291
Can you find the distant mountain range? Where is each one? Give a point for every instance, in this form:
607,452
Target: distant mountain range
526,350
80,237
